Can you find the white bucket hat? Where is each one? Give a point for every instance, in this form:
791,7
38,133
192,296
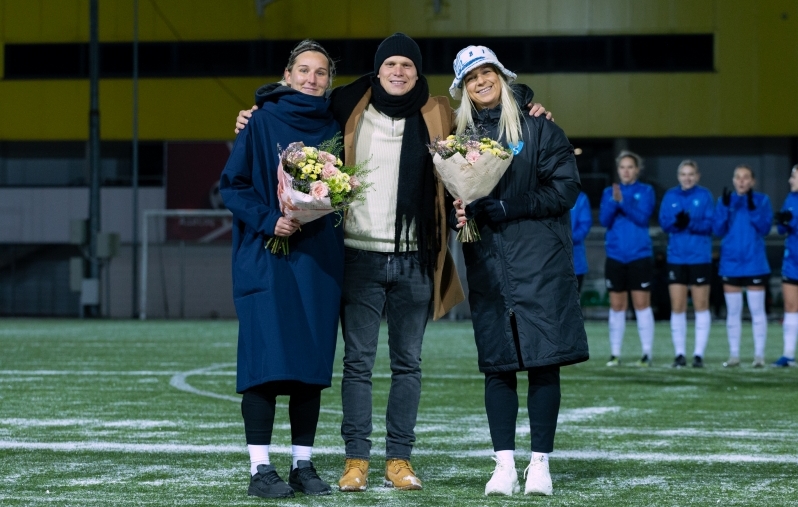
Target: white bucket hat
470,58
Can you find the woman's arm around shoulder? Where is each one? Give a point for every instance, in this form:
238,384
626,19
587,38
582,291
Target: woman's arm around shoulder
236,188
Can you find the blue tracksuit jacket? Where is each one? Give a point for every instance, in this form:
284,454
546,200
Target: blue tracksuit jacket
627,237
742,250
790,266
693,244
581,220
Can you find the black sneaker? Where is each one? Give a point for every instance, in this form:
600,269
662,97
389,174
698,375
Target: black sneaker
267,484
679,362
304,479
698,362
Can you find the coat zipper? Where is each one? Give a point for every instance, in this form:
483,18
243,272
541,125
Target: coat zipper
511,312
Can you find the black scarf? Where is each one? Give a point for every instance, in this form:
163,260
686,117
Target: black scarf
416,192
415,200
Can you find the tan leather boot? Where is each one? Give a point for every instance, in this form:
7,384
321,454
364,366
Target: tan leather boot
356,475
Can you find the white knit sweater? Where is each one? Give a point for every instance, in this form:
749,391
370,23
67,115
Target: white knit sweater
370,224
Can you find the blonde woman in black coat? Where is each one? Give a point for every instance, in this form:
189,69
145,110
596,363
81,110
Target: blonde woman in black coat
522,287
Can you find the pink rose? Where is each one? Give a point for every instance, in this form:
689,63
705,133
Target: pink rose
472,156
327,157
294,157
329,171
354,182
319,189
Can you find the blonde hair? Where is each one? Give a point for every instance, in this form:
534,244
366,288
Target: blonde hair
748,168
510,120
689,162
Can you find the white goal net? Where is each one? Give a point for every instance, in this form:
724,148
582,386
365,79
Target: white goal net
185,264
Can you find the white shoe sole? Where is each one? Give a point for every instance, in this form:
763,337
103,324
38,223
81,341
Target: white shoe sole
496,492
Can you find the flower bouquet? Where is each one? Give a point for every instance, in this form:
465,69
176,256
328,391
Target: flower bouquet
470,165
313,182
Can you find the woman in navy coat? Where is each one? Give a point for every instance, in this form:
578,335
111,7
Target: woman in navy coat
287,305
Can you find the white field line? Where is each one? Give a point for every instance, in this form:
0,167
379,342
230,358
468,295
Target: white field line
211,372
241,449
179,382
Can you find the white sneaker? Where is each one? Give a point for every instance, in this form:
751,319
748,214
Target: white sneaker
504,480
538,478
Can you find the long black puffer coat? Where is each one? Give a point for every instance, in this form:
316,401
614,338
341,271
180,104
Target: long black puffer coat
522,287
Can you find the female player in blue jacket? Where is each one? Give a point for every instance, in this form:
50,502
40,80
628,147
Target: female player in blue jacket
686,215
742,218
625,211
581,221
787,221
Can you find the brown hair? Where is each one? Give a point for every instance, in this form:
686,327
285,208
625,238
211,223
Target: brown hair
310,45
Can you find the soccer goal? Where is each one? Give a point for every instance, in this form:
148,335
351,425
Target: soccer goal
185,264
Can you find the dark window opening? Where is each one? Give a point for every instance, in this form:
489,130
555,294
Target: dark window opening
590,53
64,163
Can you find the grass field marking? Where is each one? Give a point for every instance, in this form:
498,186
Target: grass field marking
178,381
689,433
572,415
650,457
103,373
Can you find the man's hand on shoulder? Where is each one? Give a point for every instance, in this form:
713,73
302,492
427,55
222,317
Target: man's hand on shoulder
243,118
536,109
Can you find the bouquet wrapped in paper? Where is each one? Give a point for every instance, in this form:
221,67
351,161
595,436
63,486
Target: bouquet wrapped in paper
313,182
470,166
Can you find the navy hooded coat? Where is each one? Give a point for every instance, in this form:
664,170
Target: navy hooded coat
287,306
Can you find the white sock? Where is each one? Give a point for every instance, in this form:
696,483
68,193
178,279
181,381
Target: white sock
759,320
506,457
540,456
703,321
258,455
645,328
790,334
679,332
617,329
734,316
301,452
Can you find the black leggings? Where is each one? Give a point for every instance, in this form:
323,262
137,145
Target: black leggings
258,407
542,401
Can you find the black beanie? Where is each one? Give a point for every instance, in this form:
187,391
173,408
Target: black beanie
397,44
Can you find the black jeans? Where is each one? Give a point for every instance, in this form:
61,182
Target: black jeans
258,407
398,284
543,403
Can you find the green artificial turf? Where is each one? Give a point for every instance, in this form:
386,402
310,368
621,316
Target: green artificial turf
118,413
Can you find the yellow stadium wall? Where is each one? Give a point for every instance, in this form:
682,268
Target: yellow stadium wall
751,93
